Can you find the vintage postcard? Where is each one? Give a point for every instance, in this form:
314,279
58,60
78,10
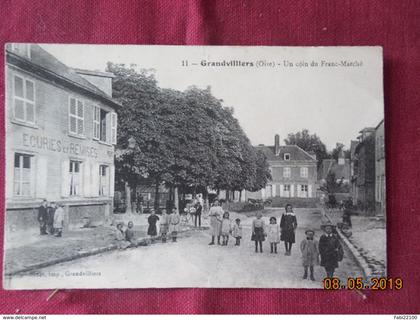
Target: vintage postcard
193,166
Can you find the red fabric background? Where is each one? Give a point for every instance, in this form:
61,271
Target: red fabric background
391,24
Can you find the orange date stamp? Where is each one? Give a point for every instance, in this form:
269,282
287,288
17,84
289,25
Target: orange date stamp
380,283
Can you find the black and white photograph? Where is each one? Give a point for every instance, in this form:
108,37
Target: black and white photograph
131,166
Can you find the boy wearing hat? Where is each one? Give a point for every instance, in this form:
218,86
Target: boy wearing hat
330,250
310,254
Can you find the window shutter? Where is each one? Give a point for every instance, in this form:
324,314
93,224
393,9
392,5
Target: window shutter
95,180
263,193
292,190
108,127
96,122
274,190
10,177
281,190
299,191
65,183
85,178
111,180
41,176
114,121
309,191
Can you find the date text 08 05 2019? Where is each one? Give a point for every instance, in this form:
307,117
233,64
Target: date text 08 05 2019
359,284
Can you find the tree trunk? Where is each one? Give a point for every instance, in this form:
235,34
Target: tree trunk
176,200
206,200
128,198
157,196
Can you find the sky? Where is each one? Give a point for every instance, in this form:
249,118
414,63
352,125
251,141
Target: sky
331,100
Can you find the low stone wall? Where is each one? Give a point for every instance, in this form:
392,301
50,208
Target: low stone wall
23,219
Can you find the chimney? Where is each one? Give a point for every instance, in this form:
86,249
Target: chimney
100,79
277,144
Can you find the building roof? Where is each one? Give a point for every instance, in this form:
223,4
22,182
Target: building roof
45,64
340,170
379,124
296,153
353,145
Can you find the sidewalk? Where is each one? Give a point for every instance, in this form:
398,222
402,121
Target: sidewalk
369,239
29,252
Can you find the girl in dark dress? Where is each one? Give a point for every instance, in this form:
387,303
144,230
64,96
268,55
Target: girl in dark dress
152,230
288,225
258,232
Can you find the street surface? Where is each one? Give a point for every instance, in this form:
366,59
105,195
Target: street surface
190,262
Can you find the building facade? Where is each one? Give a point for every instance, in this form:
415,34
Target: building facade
363,180
293,171
340,168
380,182
61,128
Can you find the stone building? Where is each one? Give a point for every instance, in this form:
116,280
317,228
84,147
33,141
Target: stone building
293,171
340,167
363,180
61,128
380,182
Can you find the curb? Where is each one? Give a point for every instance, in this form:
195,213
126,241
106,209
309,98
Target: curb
145,241
359,258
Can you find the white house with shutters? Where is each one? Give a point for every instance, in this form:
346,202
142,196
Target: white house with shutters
293,171
61,128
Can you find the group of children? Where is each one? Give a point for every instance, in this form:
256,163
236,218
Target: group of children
169,226
328,248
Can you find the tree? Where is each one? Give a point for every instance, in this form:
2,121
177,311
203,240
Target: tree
187,140
336,151
309,143
139,94
331,187
263,174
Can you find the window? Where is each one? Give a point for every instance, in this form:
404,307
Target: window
104,125
74,171
287,172
24,99
76,117
22,175
304,188
304,172
23,49
286,187
103,180
287,156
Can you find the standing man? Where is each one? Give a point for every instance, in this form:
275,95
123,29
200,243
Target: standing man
43,217
330,250
215,214
50,217
59,220
198,211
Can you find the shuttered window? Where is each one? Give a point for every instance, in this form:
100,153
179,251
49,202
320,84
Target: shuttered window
103,180
75,177
304,172
76,117
22,175
24,99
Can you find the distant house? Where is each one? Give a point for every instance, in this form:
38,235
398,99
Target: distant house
380,185
293,171
341,168
363,162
